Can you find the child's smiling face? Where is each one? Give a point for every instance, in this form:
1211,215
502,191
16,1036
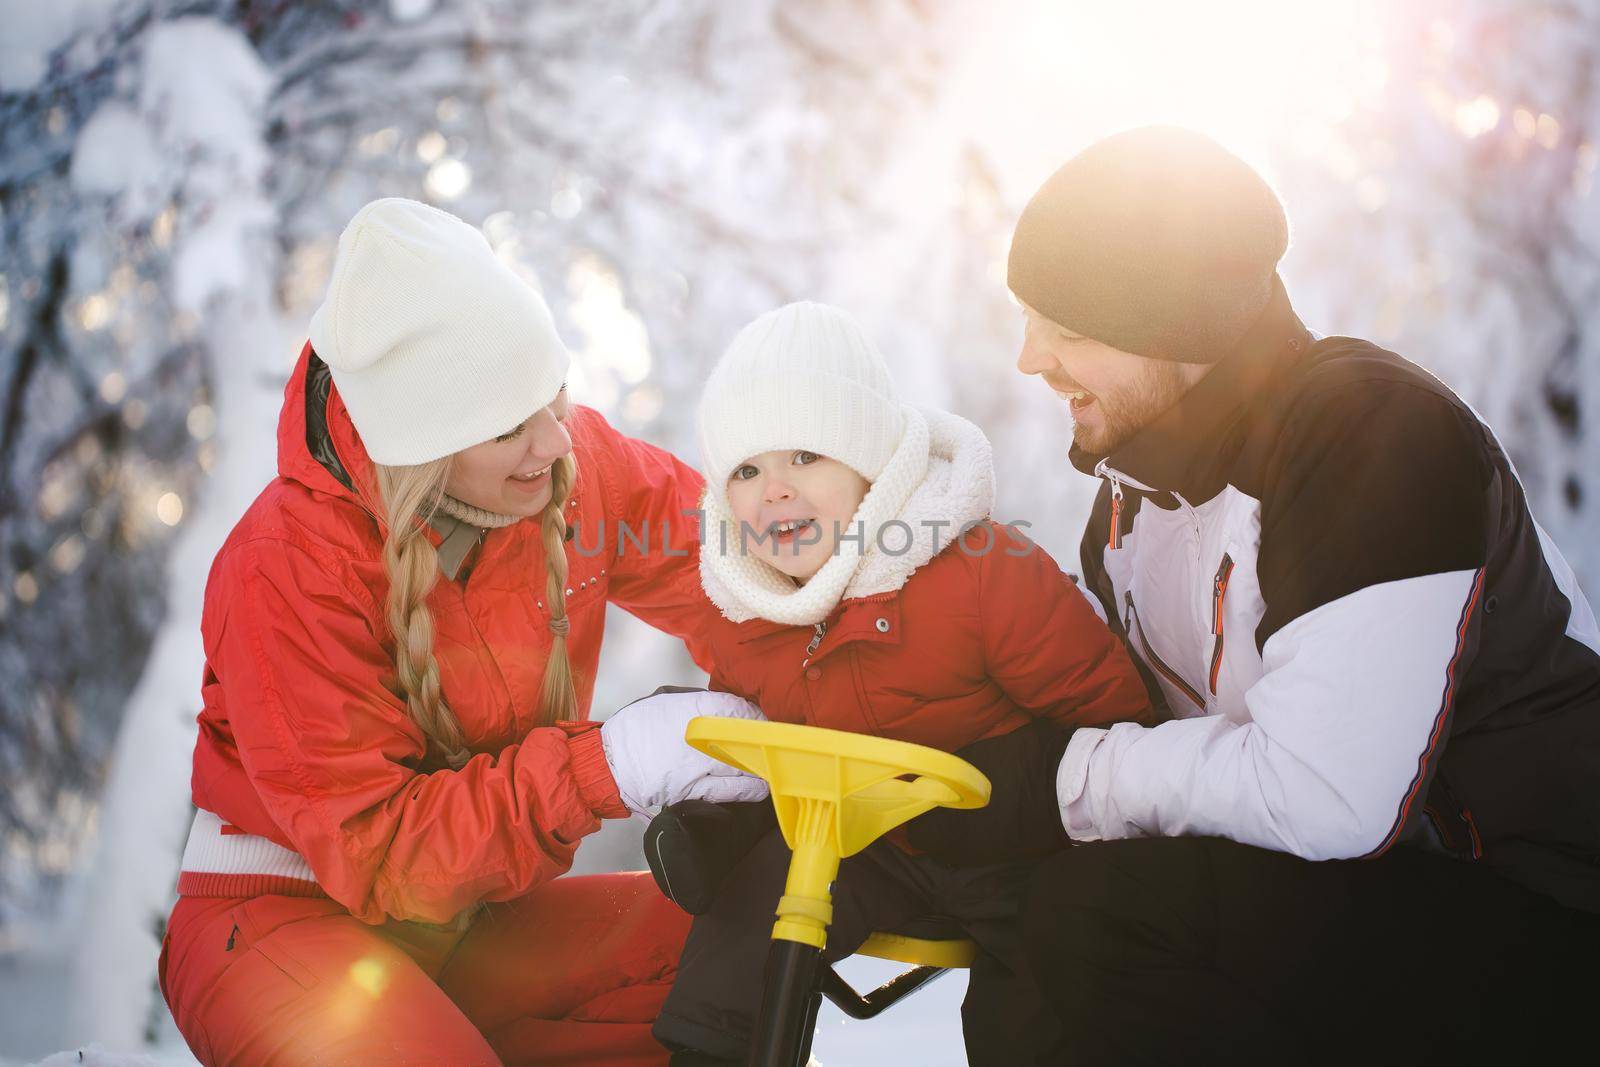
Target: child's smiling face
791,507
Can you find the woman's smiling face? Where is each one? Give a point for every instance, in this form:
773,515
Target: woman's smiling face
510,475
792,506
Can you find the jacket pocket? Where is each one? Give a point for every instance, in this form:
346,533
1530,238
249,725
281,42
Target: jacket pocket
1131,624
1451,820
268,945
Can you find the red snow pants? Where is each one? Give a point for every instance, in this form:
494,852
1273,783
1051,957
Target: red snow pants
572,973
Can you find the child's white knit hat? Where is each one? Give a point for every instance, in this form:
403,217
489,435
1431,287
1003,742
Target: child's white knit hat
434,343
805,376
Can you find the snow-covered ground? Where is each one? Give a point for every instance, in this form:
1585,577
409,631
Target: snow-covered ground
95,1056
925,1029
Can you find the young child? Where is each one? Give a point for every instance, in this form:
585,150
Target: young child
865,587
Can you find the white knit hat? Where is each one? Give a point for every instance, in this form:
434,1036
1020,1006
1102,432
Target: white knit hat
803,376
434,343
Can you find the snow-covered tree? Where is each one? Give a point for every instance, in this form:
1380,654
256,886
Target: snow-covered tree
662,171
1455,220
174,175
121,222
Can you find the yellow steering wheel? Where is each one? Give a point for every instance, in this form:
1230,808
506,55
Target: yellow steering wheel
834,794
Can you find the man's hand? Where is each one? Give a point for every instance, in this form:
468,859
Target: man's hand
1022,819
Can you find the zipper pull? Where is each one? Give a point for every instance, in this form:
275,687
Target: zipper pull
1219,589
231,935
1115,540
816,639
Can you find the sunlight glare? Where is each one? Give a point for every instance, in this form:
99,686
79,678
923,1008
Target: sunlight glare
1251,73
369,976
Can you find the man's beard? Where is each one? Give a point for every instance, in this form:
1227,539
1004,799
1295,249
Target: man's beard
1132,407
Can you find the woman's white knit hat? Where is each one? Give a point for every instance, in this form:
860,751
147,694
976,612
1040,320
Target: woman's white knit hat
805,376
434,343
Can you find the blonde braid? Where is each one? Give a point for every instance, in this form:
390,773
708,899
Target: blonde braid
411,494
558,702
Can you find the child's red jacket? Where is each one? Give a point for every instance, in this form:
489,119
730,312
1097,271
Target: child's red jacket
973,645
932,642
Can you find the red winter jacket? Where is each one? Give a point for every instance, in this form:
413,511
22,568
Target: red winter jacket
303,745
984,637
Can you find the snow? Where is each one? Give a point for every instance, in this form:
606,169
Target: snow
216,259
204,86
96,1056
34,30
200,98
117,155
924,1029
665,171
410,10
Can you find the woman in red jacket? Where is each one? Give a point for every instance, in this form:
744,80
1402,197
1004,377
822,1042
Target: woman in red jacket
401,641
866,588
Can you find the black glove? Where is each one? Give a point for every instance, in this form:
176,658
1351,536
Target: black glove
1022,819
693,845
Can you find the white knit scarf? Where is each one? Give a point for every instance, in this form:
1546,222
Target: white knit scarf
940,477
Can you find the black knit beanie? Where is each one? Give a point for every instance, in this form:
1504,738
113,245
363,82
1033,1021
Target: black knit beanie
1157,241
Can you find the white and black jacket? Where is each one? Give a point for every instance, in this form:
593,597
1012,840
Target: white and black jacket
1325,565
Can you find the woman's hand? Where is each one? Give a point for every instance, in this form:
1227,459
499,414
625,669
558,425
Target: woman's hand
652,765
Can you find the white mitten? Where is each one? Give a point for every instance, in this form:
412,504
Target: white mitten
654,767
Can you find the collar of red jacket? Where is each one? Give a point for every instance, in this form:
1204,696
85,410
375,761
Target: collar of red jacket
874,619
319,448
296,460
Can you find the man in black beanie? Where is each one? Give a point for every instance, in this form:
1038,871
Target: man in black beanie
1370,829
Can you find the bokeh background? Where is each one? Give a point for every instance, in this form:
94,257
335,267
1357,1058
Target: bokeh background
174,175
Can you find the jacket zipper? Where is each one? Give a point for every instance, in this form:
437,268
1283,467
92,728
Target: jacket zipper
1117,478
1115,539
1219,590
819,629
1132,624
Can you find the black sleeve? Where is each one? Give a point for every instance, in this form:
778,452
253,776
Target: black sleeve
1371,481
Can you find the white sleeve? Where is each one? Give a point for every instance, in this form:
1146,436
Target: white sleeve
1343,726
